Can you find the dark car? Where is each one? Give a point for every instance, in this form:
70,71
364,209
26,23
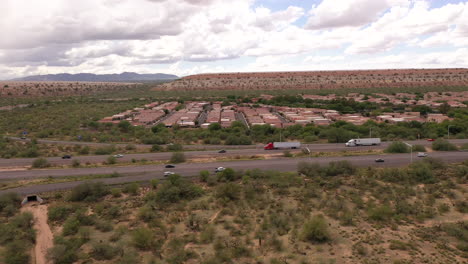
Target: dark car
222,151
170,166
66,157
379,160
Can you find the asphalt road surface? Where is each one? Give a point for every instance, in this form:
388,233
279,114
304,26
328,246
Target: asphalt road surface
148,172
164,156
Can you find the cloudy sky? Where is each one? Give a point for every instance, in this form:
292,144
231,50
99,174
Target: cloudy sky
185,37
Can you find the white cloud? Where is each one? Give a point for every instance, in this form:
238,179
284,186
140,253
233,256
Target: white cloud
105,36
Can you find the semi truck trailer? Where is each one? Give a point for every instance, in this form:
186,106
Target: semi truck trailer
282,145
363,142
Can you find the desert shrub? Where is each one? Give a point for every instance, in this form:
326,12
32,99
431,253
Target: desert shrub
397,147
88,192
103,226
335,168
174,147
9,203
154,183
40,163
462,206
309,169
315,230
399,245
116,192
106,150
60,212
76,163
131,188
71,226
421,172
103,251
147,214
143,238
16,253
419,148
443,145
111,160
130,147
208,234
203,175
177,157
380,213
228,174
175,189
129,257
287,154
228,192
64,250
156,148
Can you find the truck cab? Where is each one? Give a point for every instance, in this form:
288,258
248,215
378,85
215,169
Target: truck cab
269,146
351,143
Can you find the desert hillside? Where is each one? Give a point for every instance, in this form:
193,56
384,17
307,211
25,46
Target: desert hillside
321,80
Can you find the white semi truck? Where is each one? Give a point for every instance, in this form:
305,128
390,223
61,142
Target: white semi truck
363,142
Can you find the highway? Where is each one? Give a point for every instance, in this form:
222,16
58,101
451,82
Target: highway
242,151
147,172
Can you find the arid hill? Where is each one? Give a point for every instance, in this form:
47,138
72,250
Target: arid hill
26,89
321,80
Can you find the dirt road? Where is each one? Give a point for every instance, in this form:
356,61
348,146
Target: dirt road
44,237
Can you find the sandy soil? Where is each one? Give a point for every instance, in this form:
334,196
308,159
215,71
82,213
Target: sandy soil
44,237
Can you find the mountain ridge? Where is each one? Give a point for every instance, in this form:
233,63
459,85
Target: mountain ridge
91,77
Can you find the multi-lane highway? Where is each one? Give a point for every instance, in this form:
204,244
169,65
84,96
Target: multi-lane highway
147,172
231,152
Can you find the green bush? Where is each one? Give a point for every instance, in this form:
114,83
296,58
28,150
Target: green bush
103,251
76,163
287,154
203,175
177,157
116,192
380,213
9,203
89,192
40,163
174,147
175,189
443,145
16,253
107,150
143,238
71,226
228,192
60,212
419,148
156,148
315,230
397,147
111,160
131,188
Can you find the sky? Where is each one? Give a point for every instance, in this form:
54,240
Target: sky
185,37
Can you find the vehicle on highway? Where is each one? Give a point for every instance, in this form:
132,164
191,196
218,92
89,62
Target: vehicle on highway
118,156
363,142
169,166
220,169
422,154
168,173
222,151
430,139
379,160
23,137
282,145
66,157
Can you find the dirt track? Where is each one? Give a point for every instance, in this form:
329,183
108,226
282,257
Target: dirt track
44,237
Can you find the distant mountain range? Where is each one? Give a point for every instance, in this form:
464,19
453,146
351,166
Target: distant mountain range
91,77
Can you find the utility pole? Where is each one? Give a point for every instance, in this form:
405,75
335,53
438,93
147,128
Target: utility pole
370,132
448,131
411,151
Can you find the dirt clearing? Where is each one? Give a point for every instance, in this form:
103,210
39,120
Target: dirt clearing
44,237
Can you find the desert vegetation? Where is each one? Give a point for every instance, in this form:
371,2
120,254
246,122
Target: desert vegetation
321,80
332,213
